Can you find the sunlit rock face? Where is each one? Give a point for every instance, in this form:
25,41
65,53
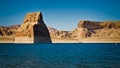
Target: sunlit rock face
89,24
33,30
94,29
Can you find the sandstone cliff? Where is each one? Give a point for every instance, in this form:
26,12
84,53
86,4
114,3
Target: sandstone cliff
91,31
107,30
98,25
33,30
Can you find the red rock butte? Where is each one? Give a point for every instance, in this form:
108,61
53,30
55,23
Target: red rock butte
33,30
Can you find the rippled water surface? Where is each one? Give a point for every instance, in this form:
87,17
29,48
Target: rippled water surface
60,55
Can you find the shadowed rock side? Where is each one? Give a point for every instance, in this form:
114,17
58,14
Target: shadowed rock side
33,30
41,33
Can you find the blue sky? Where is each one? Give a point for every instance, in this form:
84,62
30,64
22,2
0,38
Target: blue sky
60,14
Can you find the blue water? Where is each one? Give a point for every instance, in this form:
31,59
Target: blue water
60,55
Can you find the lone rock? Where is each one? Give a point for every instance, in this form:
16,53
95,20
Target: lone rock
33,30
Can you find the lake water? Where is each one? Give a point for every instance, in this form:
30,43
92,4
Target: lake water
60,55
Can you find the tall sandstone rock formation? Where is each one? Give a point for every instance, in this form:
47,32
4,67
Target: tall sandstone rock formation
33,30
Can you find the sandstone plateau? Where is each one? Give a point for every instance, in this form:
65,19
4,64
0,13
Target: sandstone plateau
34,30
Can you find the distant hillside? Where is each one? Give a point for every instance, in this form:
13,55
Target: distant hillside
91,31
8,30
4,30
14,26
51,29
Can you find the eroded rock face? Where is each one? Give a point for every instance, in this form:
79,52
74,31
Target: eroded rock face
89,24
4,31
60,34
8,30
98,25
33,30
80,33
96,29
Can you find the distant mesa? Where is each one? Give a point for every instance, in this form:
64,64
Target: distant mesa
33,30
97,30
91,31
